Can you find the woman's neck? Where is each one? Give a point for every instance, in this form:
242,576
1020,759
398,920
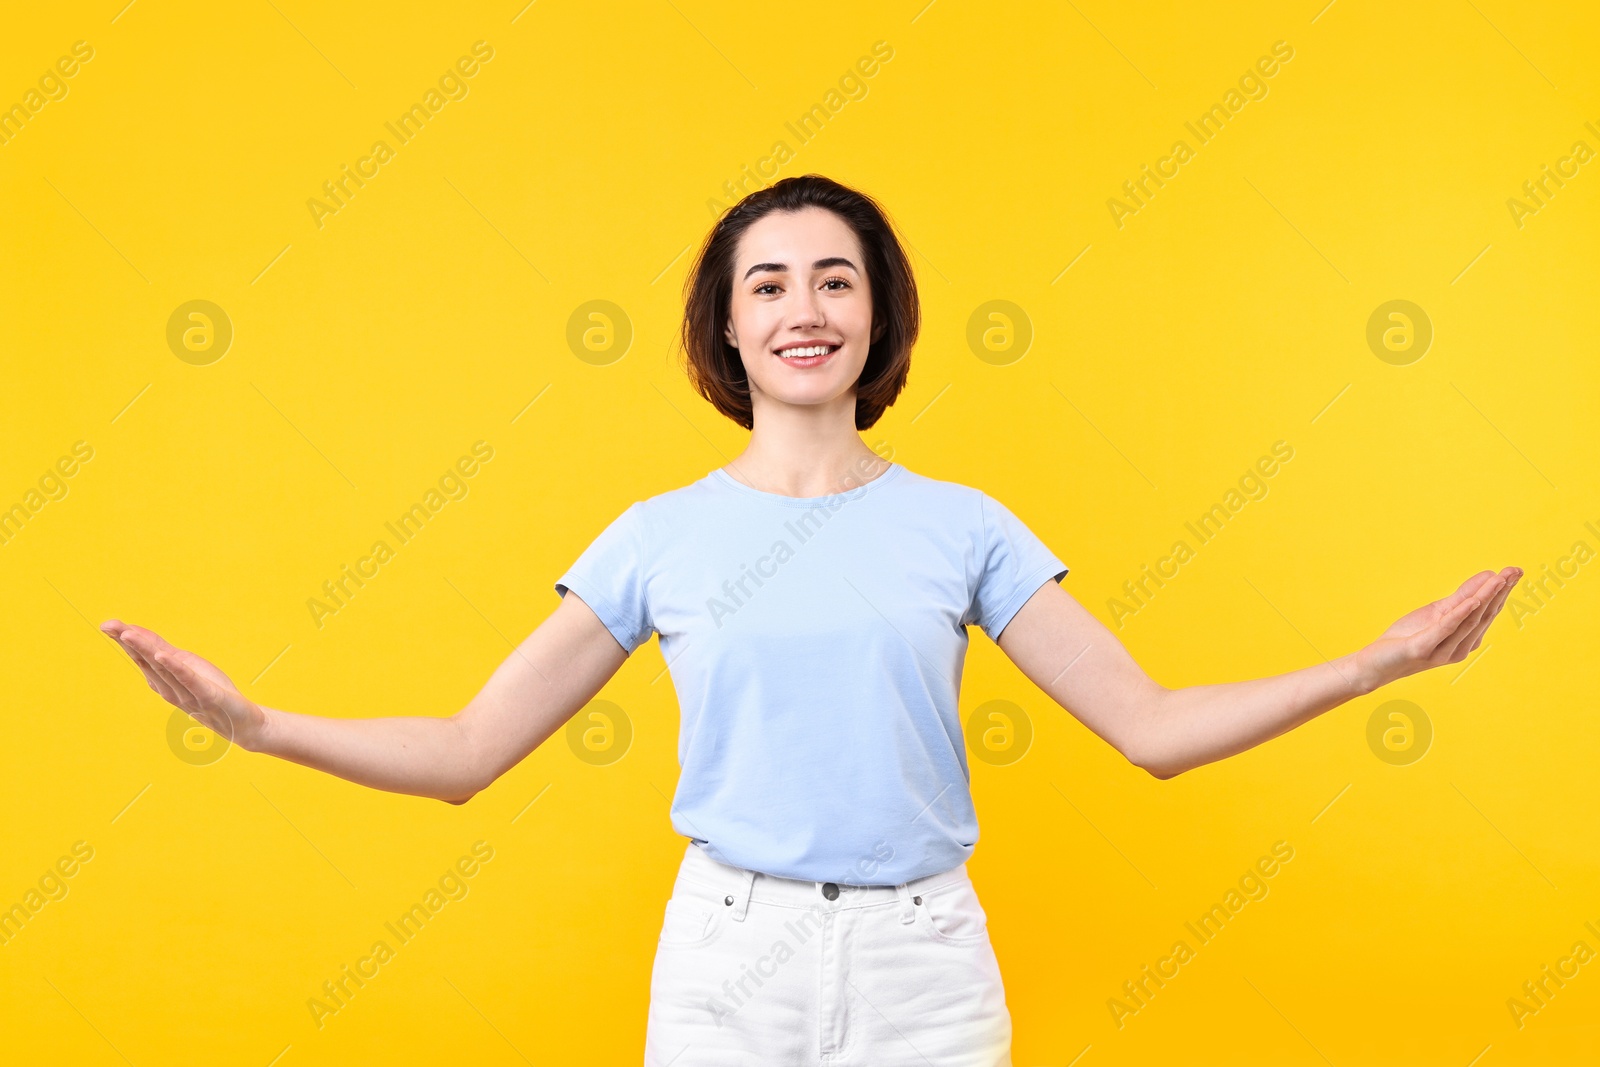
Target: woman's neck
805,456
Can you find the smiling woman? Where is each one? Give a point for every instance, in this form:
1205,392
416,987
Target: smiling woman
824,768
869,286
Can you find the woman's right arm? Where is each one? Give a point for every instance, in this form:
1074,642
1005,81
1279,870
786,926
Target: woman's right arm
542,683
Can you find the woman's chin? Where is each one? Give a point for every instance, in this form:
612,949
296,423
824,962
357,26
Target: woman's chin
811,395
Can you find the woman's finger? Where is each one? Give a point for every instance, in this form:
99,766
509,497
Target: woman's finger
1494,595
129,651
1473,586
1429,641
137,646
1455,609
1470,643
166,661
1476,639
154,680
155,652
203,691
1464,630
207,696
1511,576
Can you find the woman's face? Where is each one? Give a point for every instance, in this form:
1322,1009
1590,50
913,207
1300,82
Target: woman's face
799,284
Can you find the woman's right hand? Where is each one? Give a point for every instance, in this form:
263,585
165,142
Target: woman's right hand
191,683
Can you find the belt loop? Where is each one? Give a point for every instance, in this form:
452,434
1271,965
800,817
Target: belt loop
908,911
741,898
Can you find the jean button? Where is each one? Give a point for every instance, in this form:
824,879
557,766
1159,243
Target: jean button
830,890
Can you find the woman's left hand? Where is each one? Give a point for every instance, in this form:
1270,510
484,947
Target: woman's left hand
1445,631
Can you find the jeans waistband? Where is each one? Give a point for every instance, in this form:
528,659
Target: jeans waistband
741,887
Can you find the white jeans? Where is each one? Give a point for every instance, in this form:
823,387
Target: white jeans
752,969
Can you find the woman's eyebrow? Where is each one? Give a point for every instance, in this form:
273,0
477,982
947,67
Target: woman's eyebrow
821,264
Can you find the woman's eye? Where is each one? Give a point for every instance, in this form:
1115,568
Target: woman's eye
766,287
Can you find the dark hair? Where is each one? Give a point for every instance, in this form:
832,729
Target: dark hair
714,366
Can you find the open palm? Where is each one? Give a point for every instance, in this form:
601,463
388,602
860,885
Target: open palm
1445,631
194,684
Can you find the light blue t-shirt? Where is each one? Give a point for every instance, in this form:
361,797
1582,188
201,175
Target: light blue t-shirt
816,645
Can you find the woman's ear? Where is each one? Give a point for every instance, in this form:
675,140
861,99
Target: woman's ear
877,330
728,334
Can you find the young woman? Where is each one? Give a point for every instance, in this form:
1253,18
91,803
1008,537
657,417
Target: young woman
812,601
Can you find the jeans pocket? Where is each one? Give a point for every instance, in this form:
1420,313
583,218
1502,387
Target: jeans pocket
688,922
952,913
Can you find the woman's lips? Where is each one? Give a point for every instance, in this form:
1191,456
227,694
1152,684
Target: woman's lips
807,361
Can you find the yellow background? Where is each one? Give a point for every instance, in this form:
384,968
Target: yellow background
368,354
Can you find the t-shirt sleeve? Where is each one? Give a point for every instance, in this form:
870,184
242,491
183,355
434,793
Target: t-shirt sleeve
1016,563
610,577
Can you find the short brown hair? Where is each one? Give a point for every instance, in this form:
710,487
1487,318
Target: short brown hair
714,366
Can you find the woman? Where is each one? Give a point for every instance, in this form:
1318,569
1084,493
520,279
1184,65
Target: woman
812,601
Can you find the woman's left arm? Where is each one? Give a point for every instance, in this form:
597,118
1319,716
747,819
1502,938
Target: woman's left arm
1071,655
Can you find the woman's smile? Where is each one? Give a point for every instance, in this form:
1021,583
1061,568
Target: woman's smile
806,354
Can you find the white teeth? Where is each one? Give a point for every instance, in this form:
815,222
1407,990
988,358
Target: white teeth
801,353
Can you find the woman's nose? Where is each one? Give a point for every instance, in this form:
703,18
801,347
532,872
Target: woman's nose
806,310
